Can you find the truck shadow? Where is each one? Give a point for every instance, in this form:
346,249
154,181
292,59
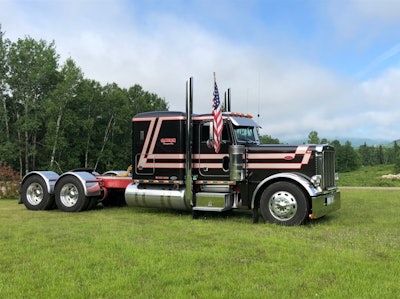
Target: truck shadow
242,216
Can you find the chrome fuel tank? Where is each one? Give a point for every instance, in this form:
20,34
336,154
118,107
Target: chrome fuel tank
155,197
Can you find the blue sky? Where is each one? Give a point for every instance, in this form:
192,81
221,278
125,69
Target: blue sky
332,66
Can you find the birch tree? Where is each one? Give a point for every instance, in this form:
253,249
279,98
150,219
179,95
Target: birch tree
65,91
90,93
32,75
3,85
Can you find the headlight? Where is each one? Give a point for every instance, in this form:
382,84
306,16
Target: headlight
316,180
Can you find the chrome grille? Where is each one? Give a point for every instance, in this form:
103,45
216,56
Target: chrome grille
328,169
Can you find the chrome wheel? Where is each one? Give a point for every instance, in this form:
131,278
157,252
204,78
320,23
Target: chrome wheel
69,195
282,205
34,194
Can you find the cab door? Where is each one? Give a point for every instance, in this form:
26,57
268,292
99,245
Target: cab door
212,165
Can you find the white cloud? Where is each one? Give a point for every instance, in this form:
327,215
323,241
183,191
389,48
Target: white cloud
111,42
368,17
383,92
384,11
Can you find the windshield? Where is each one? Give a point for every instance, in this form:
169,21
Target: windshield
247,134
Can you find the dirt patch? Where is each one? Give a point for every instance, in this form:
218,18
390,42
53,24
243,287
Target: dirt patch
391,176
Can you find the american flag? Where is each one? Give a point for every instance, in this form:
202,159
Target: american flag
217,114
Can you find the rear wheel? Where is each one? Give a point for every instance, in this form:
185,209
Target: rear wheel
34,194
70,196
284,203
93,203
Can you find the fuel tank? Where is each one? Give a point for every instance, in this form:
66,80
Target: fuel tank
155,196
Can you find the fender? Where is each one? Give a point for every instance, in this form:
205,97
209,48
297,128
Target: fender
49,177
90,184
303,181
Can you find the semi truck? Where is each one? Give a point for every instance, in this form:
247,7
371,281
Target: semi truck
175,166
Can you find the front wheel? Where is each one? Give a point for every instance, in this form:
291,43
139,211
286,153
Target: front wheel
284,203
70,196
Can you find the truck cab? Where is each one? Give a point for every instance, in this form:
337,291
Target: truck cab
288,184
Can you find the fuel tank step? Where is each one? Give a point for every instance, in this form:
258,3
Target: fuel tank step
213,202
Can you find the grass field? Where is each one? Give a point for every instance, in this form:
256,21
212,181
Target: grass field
369,176
145,253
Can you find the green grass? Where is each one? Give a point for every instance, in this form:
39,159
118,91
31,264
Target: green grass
146,253
369,176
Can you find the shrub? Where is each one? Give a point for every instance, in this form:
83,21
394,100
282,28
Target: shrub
9,180
396,168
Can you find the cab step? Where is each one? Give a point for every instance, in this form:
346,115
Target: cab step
213,202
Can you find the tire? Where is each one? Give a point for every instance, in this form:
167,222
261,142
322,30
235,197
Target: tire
256,215
93,203
284,203
34,194
70,196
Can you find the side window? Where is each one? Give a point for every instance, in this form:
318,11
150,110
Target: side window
205,132
225,133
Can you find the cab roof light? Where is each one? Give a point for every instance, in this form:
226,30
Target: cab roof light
241,114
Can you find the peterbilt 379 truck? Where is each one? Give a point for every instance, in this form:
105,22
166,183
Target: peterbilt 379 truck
175,166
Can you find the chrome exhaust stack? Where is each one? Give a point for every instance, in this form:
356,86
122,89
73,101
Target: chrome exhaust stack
227,100
189,143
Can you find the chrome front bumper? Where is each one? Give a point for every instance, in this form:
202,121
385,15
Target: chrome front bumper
325,204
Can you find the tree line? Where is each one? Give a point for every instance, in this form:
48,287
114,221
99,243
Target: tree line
52,117
349,158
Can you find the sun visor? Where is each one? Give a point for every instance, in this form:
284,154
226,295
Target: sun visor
243,122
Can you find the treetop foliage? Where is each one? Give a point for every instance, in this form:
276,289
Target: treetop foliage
55,118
